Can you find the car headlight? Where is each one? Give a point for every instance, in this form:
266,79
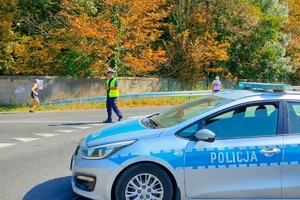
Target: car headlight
103,151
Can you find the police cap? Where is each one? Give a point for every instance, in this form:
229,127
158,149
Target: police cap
110,71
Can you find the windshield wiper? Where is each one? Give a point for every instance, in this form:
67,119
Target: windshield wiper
151,123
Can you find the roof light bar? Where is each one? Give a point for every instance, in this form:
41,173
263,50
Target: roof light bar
265,86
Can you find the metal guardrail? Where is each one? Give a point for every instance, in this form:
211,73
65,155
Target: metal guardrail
295,88
129,96
138,95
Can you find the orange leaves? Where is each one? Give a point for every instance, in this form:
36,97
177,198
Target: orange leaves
194,50
7,9
33,57
293,28
119,34
207,49
147,60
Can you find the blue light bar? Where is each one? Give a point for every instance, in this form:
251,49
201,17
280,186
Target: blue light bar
265,86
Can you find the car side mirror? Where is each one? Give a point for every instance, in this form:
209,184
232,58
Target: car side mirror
205,135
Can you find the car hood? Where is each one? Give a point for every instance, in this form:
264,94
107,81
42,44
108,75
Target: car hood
124,130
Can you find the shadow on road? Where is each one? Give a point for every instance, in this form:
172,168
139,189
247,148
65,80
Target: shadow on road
55,189
76,124
10,113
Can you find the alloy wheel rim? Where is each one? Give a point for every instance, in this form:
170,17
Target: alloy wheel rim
144,186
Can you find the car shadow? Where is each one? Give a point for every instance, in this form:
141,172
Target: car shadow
55,189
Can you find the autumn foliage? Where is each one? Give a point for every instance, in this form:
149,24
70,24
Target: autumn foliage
189,40
116,34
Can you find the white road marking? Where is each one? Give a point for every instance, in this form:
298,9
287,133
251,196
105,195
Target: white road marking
6,144
81,127
26,139
46,134
65,131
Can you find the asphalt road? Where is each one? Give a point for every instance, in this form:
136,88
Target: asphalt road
36,148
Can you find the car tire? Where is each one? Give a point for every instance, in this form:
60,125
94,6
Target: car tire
144,181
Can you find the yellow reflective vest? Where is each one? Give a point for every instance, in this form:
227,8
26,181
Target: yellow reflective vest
112,93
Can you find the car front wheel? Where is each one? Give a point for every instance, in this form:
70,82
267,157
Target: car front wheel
144,181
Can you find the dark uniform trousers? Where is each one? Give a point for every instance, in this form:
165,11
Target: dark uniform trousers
111,104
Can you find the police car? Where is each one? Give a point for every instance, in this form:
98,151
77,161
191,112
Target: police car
233,144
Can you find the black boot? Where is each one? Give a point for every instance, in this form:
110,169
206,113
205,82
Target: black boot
107,121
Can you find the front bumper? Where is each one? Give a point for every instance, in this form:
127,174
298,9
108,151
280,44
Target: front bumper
93,178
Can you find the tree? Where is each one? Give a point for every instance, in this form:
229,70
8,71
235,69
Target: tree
8,9
117,34
260,53
292,30
38,17
191,42
273,62
33,56
35,48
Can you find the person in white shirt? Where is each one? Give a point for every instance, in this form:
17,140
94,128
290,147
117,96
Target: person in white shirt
216,84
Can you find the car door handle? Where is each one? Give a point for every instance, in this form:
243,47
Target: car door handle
269,152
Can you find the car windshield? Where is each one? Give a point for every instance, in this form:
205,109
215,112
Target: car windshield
186,111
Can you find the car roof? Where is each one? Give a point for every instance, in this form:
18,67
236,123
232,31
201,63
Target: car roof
265,90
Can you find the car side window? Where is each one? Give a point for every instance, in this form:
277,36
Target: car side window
189,130
294,117
247,121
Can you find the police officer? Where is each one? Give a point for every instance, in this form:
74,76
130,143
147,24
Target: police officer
112,89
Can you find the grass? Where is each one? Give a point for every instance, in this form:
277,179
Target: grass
128,103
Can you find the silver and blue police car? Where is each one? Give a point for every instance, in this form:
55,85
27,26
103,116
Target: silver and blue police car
233,144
